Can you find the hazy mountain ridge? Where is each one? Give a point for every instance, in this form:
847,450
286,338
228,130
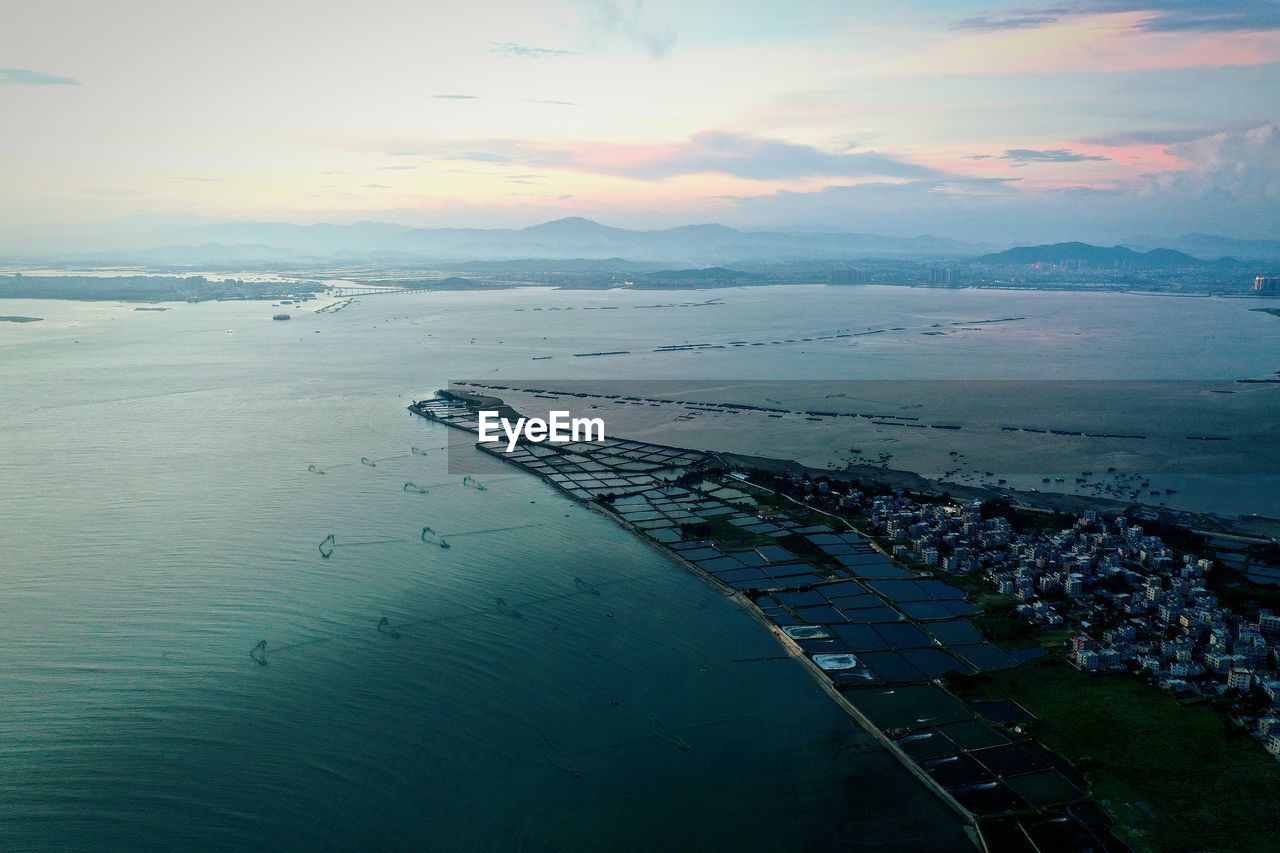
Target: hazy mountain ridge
707,274
556,265
568,238
1211,246
579,244
1098,256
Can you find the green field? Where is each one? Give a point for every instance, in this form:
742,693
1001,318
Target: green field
1176,777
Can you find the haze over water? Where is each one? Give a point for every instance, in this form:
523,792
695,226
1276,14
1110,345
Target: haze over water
160,519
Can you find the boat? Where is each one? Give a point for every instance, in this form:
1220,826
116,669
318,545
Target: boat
558,759
280,317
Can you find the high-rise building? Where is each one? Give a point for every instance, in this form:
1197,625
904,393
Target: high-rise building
1266,284
845,275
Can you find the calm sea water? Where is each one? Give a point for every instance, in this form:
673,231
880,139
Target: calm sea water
158,518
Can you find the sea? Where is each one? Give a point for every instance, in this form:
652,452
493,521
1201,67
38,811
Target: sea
181,666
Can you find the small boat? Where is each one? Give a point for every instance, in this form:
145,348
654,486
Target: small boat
558,759
281,317
660,729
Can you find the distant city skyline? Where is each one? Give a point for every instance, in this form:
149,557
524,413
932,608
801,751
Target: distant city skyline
980,120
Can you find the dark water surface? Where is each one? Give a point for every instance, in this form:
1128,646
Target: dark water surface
158,519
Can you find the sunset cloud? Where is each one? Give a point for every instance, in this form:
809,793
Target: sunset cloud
1090,38
1023,156
509,48
1154,15
657,111
1243,165
721,152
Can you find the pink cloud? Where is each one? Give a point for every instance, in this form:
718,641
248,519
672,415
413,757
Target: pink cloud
1098,43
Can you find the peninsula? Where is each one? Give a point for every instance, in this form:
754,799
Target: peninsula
882,638
997,681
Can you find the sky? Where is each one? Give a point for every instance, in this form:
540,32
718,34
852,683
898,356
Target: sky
973,119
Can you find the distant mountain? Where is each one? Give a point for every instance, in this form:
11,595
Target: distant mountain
1095,256
554,265
574,228
709,274
1210,246
570,238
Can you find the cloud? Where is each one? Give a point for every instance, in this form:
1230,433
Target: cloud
510,48
376,187
116,193
712,152
1209,15
1011,21
985,210
27,77
1023,156
609,17
479,156
394,168
456,97
553,103
724,152
1158,15
949,191
1240,167
1161,135
1229,183
953,206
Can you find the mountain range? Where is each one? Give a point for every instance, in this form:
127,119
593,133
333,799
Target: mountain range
570,238
1211,246
573,243
1098,257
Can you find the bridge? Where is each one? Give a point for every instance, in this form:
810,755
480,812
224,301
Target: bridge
365,291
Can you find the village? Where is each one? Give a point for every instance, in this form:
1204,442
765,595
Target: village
1126,599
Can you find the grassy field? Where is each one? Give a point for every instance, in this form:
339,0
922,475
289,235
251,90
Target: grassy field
1175,777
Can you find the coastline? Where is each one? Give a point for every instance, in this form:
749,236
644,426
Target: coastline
449,408
796,653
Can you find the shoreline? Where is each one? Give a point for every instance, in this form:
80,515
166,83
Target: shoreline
455,406
306,283
794,652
